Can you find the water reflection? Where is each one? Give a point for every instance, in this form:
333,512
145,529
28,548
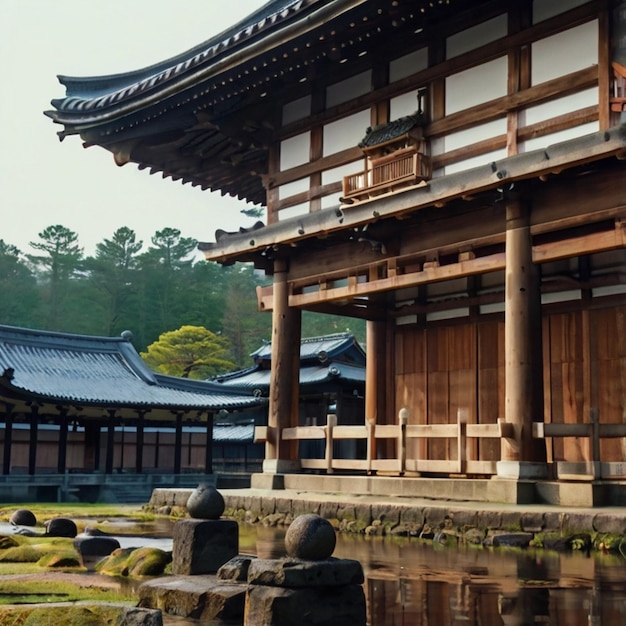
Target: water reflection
411,582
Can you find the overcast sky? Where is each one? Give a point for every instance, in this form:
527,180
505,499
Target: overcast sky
45,182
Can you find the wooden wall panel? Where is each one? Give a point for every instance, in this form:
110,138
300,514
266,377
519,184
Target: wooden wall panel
490,383
609,365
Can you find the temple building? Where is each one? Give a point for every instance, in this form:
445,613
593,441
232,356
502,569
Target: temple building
452,172
84,414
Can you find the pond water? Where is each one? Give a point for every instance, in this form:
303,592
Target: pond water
411,582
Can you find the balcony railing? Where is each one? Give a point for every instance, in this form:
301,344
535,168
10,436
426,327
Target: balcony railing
386,174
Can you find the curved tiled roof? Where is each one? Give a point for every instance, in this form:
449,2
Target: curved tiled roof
259,379
322,359
98,92
98,371
326,346
208,115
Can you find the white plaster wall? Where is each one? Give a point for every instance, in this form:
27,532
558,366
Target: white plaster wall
561,106
348,89
291,189
293,211
406,104
471,135
408,64
477,36
336,174
564,135
296,110
477,85
569,51
544,9
295,151
346,132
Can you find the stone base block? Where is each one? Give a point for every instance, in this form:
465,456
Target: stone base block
198,597
291,572
521,470
582,494
280,466
203,546
267,481
317,606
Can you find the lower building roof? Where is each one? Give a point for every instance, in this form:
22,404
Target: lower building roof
103,372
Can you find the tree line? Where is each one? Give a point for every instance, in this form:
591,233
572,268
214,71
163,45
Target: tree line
148,289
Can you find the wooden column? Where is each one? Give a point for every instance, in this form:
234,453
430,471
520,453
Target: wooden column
108,467
208,452
8,439
139,442
62,444
374,377
522,341
281,456
32,443
178,443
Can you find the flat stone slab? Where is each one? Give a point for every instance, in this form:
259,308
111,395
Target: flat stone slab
295,573
198,597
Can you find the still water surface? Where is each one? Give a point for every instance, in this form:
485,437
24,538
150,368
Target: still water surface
411,582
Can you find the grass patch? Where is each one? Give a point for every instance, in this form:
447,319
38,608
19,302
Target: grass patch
44,511
35,591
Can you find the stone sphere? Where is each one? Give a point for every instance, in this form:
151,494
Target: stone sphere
61,527
23,517
310,537
205,502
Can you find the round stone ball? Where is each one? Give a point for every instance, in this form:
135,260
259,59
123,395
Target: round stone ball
23,517
205,502
61,527
310,537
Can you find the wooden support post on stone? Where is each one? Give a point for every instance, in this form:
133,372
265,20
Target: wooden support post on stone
282,455
521,455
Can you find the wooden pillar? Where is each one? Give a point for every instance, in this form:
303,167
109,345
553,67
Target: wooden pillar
108,467
139,442
62,444
374,377
522,344
32,444
8,440
281,456
208,451
178,442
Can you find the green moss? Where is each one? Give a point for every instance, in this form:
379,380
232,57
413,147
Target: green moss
134,562
61,616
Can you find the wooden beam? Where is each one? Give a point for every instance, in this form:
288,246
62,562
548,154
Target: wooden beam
480,265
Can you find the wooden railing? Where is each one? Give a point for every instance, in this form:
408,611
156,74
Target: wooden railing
399,169
461,434
593,431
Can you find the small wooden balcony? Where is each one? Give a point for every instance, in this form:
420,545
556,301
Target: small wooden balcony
398,170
